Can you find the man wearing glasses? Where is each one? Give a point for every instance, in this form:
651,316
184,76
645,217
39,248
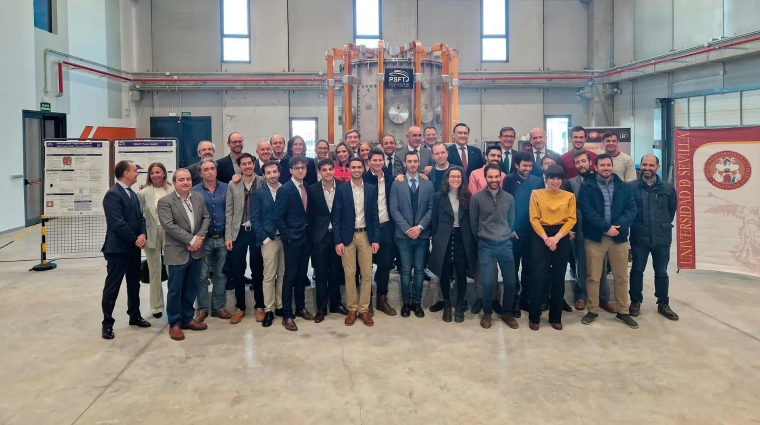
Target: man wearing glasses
507,136
227,167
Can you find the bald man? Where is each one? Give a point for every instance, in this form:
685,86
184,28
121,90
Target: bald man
539,151
278,148
414,144
264,152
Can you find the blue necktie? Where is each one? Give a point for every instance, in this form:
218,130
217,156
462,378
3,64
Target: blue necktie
414,185
133,198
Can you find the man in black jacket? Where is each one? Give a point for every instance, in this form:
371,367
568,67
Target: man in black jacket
651,233
608,210
227,167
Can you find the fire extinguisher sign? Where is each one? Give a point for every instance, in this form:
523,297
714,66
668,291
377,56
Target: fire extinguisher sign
399,78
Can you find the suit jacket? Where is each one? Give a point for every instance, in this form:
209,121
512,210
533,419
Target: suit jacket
318,212
401,207
174,221
474,157
344,214
370,178
311,171
195,172
426,158
224,169
233,209
573,185
537,170
508,168
124,222
289,214
262,214
442,223
148,208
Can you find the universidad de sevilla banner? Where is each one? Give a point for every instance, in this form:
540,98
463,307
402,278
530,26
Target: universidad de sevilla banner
718,186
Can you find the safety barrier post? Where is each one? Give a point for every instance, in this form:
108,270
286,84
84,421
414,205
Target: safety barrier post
44,265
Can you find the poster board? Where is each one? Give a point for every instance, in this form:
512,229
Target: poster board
76,177
143,152
594,139
717,179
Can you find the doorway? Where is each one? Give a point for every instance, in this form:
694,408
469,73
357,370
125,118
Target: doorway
557,128
38,126
189,131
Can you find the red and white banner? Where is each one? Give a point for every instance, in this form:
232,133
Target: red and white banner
718,186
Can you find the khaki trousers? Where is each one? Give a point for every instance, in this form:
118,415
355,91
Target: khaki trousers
274,270
360,248
153,257
618,255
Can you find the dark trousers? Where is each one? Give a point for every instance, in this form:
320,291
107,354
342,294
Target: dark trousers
454,261
549,271
182,290
384,258
118,266
327,266
660,260
296,263
521,247
247,240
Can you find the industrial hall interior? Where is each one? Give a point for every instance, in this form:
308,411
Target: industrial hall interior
380,211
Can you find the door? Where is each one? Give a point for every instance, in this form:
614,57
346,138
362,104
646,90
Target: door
38,126
189,131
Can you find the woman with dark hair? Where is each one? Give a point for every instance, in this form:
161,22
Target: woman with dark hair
156,187
454,249
342,157
297,147
364,148
552,216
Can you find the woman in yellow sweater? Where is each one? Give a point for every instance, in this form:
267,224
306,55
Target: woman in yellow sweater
552,216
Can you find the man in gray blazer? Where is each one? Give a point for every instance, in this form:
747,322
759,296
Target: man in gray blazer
413,144
410,208
185,220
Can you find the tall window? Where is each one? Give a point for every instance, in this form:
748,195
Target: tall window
43,15
306,128
494,31
367,22
236,31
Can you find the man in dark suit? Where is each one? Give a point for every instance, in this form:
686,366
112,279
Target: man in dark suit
460,153
264,152
539,151
227,167
413,144
206,149
290,219
125,237
356,236
388,145
327,264
507,137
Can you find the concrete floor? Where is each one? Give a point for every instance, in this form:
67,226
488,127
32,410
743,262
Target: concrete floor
57,370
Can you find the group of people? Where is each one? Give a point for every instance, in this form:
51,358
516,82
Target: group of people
450,209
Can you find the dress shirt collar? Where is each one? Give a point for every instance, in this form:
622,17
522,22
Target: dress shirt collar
125,187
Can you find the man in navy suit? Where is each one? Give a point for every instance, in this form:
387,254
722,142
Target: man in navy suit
460,153
356,231
290,219
507,137
227,167
539,152
125,237
411,204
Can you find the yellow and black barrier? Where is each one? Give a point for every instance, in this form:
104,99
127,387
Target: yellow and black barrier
44,264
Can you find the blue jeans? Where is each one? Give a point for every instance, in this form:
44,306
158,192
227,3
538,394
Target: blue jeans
490,254
579,287
183,288
216,254
413,254
660,260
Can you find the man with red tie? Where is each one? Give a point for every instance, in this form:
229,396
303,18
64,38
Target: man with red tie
460,153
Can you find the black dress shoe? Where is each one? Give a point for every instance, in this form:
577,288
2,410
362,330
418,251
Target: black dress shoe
278,312
516,312
418,311
477,306
435,308
544,307
158,315
447,312
340,310
405,310
268,319
319,317
566,307
107,333
497,308
140,323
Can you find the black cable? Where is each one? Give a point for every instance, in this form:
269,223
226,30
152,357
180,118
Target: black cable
51,260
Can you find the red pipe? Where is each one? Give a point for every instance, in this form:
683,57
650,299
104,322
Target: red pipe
97,71
227,80
60,79
527,77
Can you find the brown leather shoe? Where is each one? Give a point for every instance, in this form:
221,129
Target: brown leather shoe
222,314
351,318
200,316
609,307
485,321
319,318
580,305
260,313
194,325
289,324
533,326
510,321
175,332
237,317
557,326
382,305
366,318
304,314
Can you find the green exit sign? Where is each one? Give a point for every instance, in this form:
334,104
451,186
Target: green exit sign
45,106
185,114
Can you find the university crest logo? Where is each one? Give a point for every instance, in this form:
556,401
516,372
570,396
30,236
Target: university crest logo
727,170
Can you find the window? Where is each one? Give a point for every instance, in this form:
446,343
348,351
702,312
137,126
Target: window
306,128
557,128
43,15
236,31
367,23
494,30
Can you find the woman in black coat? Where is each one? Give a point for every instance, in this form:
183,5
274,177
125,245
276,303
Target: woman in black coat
454,248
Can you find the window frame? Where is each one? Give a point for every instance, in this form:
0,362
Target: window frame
379,24
313,153
240,36
49,17
505,36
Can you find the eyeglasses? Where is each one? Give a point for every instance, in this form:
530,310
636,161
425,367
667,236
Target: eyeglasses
299,168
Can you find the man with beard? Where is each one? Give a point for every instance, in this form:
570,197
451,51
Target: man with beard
227,167
622,164
388,145
578,137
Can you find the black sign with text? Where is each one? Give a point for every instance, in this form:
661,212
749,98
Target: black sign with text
399,78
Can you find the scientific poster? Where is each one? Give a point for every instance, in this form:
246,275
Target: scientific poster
76,177
143,152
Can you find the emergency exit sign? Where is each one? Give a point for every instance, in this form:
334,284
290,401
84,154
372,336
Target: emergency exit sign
185,114
45,106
